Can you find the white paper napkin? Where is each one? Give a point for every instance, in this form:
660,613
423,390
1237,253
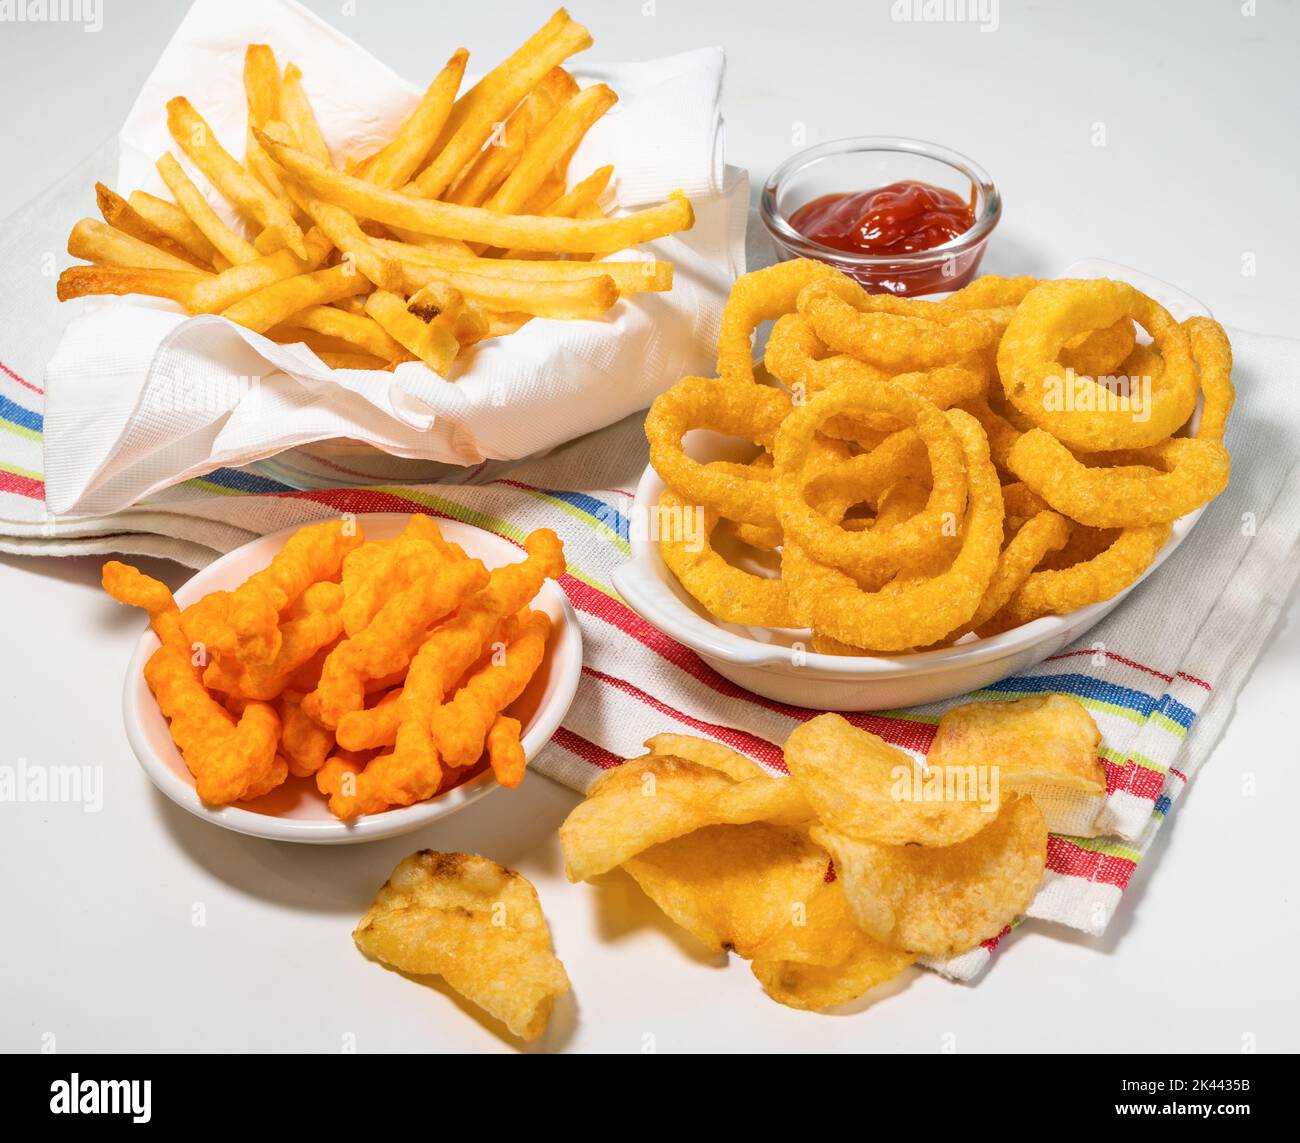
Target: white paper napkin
140,397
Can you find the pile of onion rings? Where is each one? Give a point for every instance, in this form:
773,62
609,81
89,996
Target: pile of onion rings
932,469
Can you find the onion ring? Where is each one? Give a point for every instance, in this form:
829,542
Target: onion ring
892,341
1212,353
917,614
866,554
754,412
1119,497
1068,589
760,296
1096,420
728,592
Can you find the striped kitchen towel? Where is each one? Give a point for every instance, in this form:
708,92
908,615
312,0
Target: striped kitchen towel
1160,674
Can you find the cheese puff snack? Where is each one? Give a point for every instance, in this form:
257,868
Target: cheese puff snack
412,771
460,728
391,638
231,761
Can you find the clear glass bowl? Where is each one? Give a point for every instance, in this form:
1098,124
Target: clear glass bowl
866,163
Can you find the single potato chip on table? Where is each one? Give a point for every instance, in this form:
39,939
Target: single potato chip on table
476,924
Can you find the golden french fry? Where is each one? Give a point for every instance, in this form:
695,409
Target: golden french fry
262,93
552,147
489,170
433,341
222,291
496,161
474,224
394,164
277,303
82,281
579,298
559,204
121,215
296,111
490,102
199,142
191,201
352,360
96,241
177,225
359,332
630,277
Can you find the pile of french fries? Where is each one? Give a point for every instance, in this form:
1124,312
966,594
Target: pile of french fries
462,227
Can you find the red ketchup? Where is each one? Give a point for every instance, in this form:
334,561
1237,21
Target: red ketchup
902,218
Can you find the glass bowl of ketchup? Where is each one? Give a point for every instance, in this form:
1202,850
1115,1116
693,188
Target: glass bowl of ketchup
901,216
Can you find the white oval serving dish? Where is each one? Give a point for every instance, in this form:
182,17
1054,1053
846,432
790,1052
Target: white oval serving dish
778,665
296,811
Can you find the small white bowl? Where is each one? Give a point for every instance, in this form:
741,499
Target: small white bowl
296,811
775,663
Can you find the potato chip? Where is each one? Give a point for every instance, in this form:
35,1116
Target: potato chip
862,787
656,798
732,886
1049,739
476,924
826,959
706,752
943,901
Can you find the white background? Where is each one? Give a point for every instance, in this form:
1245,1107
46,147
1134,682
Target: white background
1197,106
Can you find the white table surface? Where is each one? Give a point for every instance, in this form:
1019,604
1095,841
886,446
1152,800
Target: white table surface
1199,170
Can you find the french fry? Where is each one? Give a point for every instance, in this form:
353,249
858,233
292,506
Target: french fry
120,215
96,241
83,281
358,331
261,84
353,360
474,224
433,341
495,96
253,200
440,247
225,289
398,256
342,230
394,164
177,225
262,93
568,204
579,298
630,277
496,160
296,111
552,147
279,302
232,247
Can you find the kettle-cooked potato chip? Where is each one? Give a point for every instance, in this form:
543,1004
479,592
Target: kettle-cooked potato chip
942,901
732,886
707,752
825,960
864,788
1047,738
477,925
656,798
